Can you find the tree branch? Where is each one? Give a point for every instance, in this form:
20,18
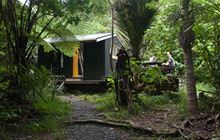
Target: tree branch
4,17
33,20
32,46
22,17
29,14
192,132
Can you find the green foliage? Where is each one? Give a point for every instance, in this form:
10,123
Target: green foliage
153,78
132,19
150,76
53,114
33,85
107,100
92,24
162,36
67,47
207,43
10,113
33,82
154,75
136,67
23,27
155,102
208,99
110,84
182,105
209,104
45,114
107,104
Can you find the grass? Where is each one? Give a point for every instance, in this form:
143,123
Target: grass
106,103
182,105
54,112
48,118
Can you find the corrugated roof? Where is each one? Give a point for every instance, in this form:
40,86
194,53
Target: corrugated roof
81,38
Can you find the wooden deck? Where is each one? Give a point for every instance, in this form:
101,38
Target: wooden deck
70,81
87,86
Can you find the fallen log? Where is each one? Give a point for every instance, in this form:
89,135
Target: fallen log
127,125
113,124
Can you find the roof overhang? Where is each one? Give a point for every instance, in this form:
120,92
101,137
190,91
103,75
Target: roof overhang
81,38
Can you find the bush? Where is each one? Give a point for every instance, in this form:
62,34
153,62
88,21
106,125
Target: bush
209,101
52,113
18,102
38,111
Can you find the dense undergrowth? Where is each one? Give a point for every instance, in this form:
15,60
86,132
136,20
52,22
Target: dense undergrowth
40,111
209,99
178,100
106,103
43,116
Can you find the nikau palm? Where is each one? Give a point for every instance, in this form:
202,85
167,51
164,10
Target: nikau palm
133,17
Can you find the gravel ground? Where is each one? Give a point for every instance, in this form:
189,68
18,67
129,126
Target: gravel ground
83,110
95,132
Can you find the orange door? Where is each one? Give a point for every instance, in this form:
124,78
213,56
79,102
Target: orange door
75,63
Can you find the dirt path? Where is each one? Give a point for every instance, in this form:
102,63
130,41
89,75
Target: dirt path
81,109
84,110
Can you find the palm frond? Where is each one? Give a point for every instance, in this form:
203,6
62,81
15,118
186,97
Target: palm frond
133,17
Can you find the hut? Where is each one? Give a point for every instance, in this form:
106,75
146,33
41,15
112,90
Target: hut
88,60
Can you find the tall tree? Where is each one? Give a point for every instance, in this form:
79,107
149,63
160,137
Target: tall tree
133,18
186,40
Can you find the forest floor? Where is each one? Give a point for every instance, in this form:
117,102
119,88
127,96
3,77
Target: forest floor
83,110
163,121
86,122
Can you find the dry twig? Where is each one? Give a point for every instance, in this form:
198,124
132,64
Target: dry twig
190,131
180,131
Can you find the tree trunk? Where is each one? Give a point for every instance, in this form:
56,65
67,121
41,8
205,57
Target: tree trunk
190,82
136,52
122,82
186,40
123,92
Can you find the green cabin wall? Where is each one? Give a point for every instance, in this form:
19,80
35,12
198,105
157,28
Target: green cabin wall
94,60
